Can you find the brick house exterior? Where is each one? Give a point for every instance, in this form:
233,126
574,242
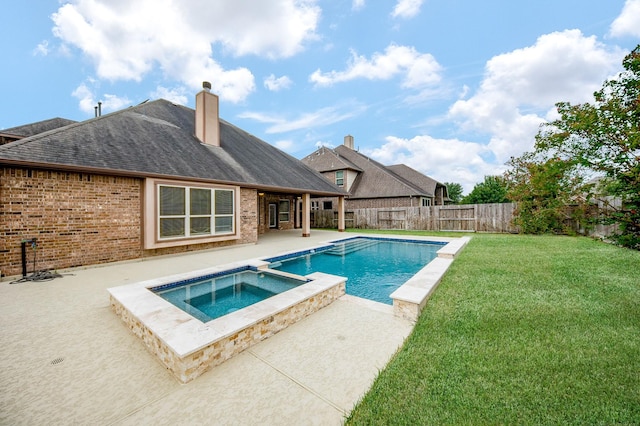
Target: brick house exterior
90,192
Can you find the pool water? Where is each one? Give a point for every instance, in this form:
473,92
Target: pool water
374,267
210,298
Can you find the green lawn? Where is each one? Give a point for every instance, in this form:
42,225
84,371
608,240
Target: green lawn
522,330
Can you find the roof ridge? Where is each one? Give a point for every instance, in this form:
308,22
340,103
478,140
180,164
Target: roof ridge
390,172
38,136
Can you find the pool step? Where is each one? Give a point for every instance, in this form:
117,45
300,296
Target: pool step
350,247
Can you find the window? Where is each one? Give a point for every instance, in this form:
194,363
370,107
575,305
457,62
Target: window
186,212
340,178
426,202
315,205
283,211
327,205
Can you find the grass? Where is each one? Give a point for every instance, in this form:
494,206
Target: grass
522,330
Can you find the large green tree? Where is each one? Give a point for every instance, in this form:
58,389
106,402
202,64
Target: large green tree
454,191
492,190
602,140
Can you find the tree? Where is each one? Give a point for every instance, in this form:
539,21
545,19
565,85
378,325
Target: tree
543,188
602,139
455,191
492,190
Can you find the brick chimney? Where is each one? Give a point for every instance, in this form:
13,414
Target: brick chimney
207,116
348,141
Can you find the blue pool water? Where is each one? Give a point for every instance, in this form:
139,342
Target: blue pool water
375,267
212,297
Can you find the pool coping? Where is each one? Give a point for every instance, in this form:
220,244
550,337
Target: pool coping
410,298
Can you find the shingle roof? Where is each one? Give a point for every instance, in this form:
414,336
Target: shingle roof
376,179
157,139
326,159
37,127
419,179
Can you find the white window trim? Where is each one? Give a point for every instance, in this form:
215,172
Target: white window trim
187,214
151,216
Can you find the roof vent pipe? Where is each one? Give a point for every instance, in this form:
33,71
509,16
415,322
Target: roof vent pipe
96,110
99,109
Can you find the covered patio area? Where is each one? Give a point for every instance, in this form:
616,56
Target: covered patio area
283,211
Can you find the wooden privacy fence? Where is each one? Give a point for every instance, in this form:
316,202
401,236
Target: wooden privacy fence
463,218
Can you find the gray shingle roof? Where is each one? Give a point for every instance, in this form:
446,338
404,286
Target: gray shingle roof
375,179
157,139
423,181
38,127
326,159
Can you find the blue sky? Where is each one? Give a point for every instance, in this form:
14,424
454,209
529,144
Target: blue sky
452,88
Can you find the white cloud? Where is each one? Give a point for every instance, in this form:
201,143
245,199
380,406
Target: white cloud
284,145
320,144
320,118
114,103
177,95
446,160
88,101
86,98
419,69
42,48
276,84
406,8
628,23
521,87
357,4
127,40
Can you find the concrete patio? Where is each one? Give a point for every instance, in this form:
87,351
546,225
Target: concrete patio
68,359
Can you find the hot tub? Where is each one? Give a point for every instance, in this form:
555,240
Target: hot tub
189,344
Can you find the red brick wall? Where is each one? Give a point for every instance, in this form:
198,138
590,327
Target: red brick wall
81,219
370,203
382,203
78,219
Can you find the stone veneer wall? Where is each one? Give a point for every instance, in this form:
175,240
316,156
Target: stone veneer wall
193,365
84,219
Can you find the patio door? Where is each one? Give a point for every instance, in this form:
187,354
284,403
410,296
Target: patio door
298,214
273,215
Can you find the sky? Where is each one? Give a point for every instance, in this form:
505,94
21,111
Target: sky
451,88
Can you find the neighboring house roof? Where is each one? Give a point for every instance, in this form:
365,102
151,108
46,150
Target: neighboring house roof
35,128
419,179
157,139
375,179
326,160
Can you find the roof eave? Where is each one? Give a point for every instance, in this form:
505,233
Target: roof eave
142,175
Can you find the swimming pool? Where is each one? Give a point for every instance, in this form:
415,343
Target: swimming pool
374,267
207,298
188,346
